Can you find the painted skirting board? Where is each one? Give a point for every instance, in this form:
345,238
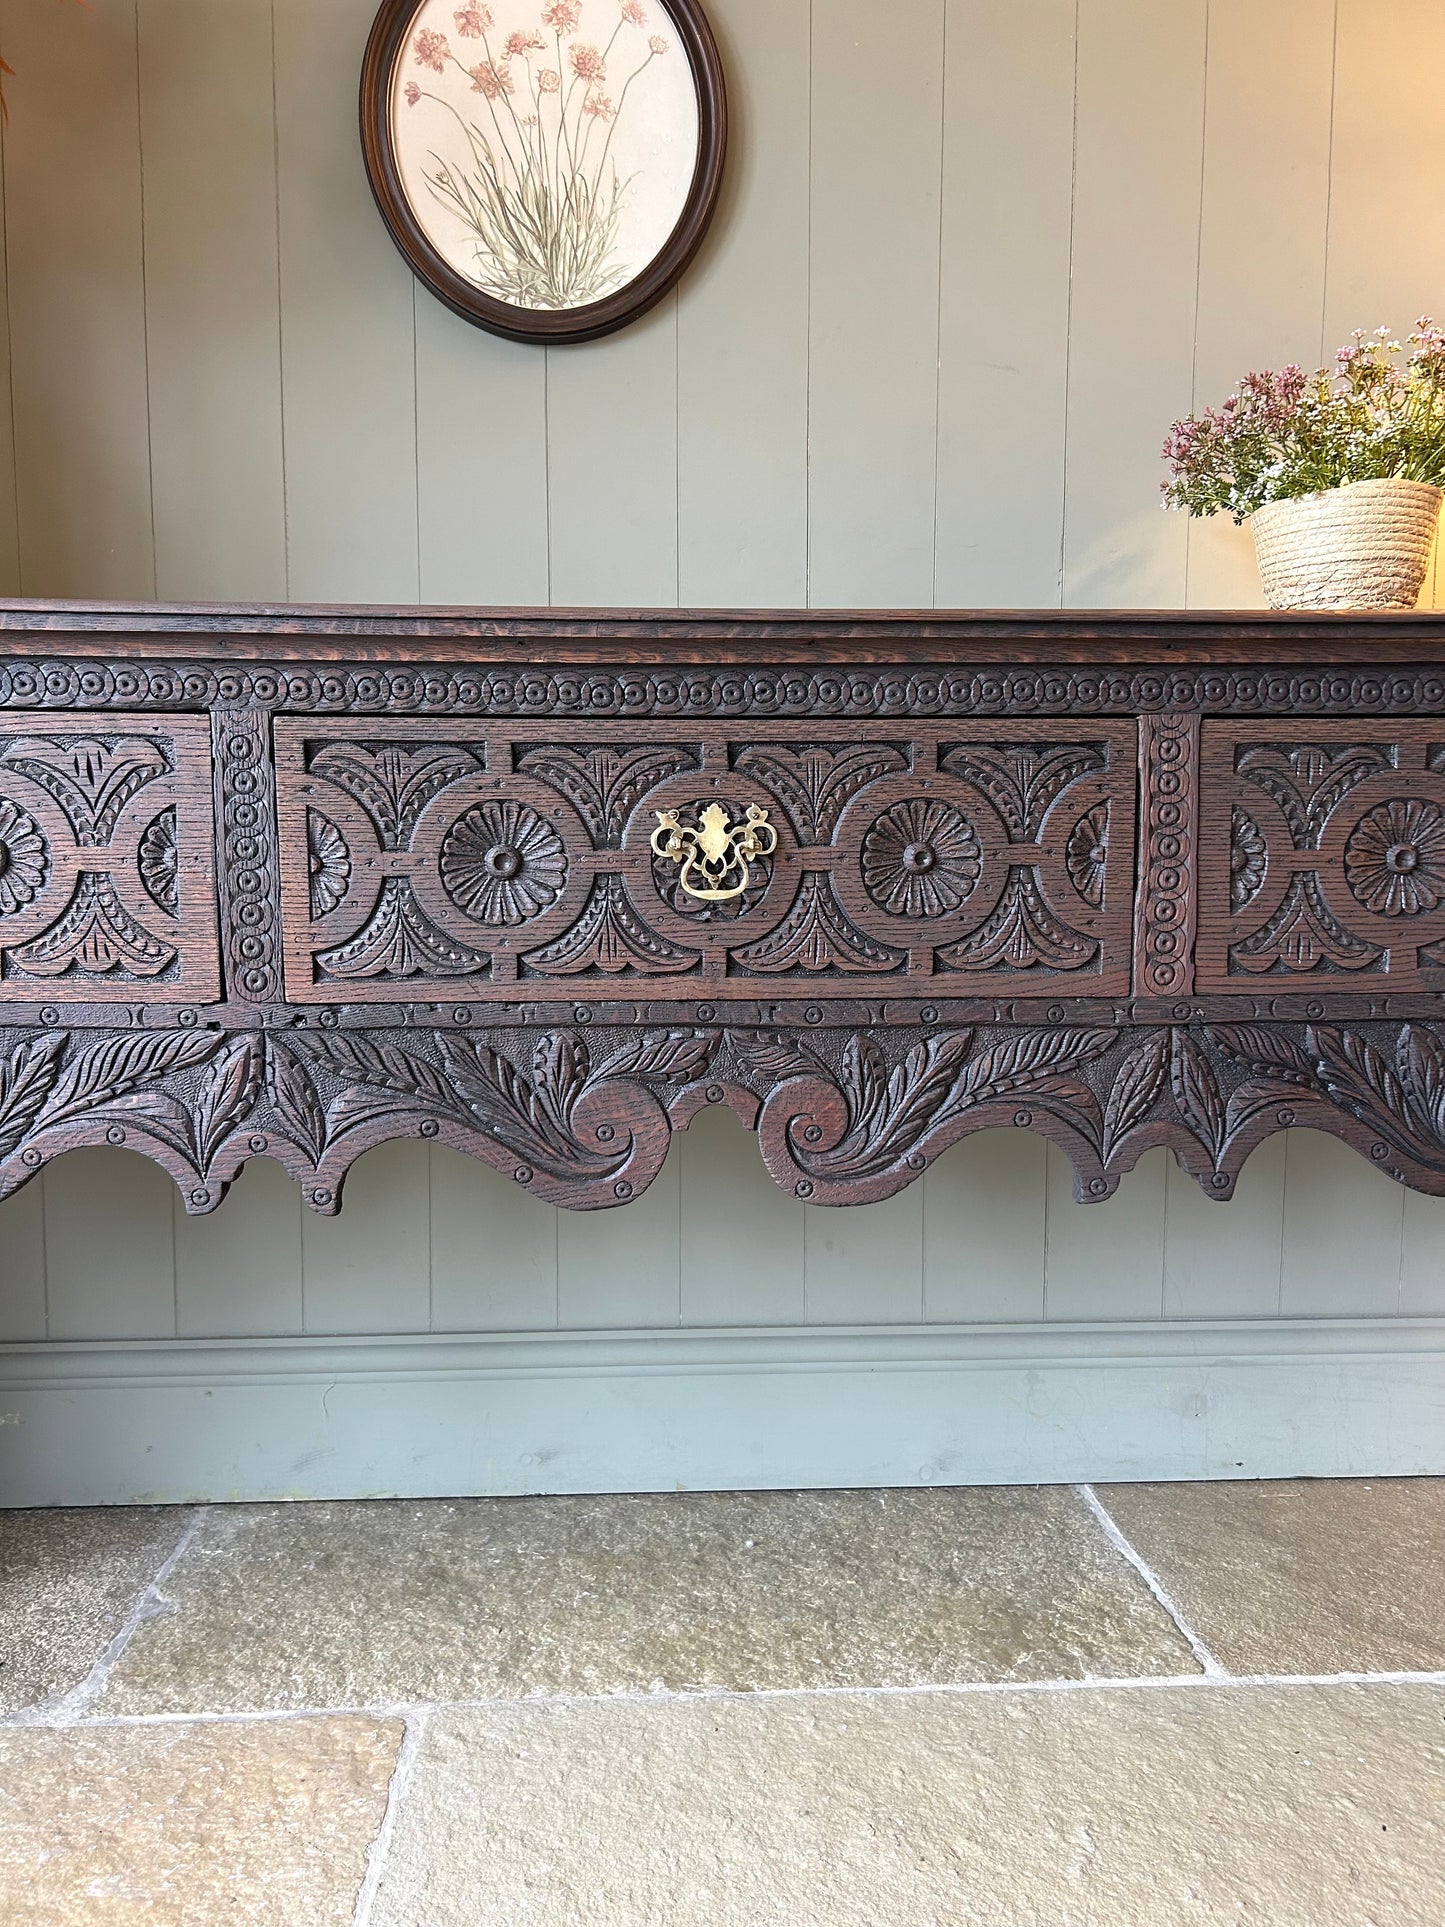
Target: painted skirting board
129,1421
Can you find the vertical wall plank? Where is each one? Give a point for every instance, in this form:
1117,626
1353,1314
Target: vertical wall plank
623,1268
743,333
482,497
77,301
238,1270
1135,262
347,337
983,1230
212,298
1386,239
612,465
493,1250
1343,1231
1223,1260
1106,1260
873,385
110,1254
1263,215
369,1268
742,1236
1422,1263
22,1264
864,1263
9,506
1004,309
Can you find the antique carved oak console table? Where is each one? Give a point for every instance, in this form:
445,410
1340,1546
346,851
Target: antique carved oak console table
540,886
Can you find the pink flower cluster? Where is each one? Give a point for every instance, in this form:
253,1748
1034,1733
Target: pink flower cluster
1286,433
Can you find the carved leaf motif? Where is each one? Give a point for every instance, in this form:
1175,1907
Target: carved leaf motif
1420,1063
392,784
506,1105
815,782
1266,1052
1310,780
1196,1092
26,1080
92,781
1301,935
1020,781
676,1054
94,935
226,1096
1023,933
295,1101
610,936
1019,1062
770,1054
384,1066
886,1118
560,1068
400,940
1135,1090
116,1066
603,784
863,1079
1356,1075
816,935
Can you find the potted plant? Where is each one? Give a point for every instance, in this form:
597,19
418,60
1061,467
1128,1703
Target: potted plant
1339,476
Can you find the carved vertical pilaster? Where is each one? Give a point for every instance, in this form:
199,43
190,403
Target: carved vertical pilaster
249,873
1166,907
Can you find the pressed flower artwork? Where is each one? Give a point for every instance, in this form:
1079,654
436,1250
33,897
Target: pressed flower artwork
546,154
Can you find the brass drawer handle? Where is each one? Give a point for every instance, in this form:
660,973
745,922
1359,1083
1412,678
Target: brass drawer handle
716,850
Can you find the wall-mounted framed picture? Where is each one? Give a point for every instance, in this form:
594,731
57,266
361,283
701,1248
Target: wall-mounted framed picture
547,167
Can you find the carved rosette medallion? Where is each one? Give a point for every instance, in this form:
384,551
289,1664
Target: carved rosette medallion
920,858
503,863
23,858
328,863
1248,857
1395,858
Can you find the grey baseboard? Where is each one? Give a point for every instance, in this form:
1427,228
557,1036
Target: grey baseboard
435,1415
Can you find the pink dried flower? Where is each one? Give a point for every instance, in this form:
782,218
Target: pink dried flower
525,44
473,20
633,13
588,64
562,16
658,44
431,50
599,106
413,93
491,80
548,81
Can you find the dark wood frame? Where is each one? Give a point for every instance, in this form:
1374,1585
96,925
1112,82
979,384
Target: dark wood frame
596,318
1209,1023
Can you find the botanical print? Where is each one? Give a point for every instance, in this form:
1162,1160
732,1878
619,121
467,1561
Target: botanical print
547,153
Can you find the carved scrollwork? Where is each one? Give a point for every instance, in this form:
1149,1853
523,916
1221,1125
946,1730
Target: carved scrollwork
1023,933
610,937
94,934
400,940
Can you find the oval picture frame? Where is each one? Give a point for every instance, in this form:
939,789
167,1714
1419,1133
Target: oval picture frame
515,175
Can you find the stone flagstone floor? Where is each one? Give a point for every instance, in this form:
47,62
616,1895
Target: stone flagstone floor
1034,1707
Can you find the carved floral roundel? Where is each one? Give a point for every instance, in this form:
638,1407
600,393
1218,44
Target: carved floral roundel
921,858
1395,858
503,863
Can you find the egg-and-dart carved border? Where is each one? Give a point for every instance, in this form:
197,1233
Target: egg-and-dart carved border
584,1117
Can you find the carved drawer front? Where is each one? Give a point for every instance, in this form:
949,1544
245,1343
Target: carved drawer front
1322,855
763,860
107,867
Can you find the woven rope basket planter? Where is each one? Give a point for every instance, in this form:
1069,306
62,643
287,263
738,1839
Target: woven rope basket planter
1363,546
